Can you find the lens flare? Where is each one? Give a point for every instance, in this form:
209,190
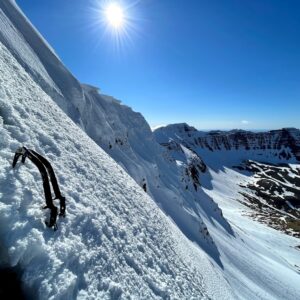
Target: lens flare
114,15
116,23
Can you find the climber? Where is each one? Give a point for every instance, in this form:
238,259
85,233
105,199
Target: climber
46,170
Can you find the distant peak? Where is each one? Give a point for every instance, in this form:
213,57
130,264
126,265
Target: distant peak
181,127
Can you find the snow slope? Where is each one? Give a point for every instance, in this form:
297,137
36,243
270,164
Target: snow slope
259,262
127,137
277,188
39,61
114,243
264,263
122,133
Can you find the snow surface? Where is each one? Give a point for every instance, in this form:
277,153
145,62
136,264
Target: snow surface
259,262
122,133
116,242
266,260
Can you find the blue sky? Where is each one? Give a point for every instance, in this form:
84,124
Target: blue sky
210,63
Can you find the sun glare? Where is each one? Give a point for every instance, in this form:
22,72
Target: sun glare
117,20
114,15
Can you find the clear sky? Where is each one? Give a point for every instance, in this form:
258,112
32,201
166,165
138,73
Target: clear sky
211,63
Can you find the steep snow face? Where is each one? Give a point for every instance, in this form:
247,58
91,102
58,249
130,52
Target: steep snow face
40,61
122,133
126,136
95,238
114,242
189,162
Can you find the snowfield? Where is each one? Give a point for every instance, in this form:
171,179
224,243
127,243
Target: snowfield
266,261
118,241
259,262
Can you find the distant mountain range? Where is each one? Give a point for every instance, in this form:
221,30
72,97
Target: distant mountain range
283,144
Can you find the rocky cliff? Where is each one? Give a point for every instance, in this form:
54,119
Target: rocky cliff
283,144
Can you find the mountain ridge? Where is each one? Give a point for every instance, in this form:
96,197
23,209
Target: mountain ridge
283,143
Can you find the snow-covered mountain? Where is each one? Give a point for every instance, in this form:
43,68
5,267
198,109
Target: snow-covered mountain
122,133
115,241
160,235
277,145
269,159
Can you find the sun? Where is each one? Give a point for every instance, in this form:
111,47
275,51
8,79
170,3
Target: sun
114,15
116,21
